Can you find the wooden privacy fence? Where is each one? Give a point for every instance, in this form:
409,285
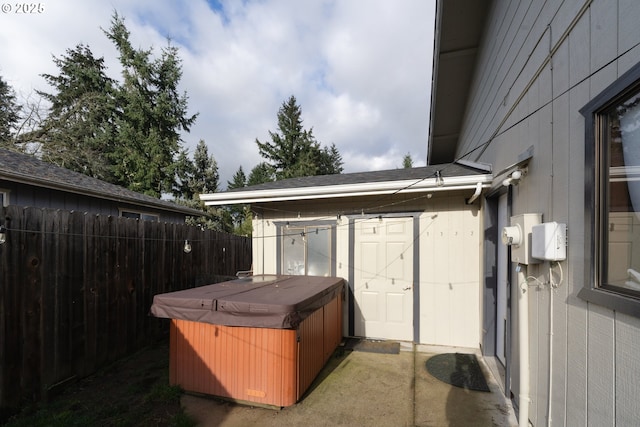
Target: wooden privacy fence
77,288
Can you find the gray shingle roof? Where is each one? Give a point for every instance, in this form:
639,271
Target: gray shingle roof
29,169
446,170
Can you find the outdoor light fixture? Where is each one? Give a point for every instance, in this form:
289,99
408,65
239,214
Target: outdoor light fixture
514,178
187,247
3,234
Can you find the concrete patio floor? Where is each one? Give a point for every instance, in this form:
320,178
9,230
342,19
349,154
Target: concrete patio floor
370,389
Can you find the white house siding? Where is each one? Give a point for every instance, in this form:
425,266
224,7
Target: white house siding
520,98
449,263
449,269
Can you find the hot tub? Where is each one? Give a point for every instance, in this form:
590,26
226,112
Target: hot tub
260,339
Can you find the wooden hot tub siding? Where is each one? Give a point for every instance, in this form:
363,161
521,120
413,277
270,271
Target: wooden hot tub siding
261,365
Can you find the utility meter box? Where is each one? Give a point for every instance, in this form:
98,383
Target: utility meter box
518,236
549,241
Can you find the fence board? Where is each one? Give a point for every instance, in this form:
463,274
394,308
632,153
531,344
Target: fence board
62,351
4,302
119,297
90,289
77,288
49,268
31,303
75,308
12,349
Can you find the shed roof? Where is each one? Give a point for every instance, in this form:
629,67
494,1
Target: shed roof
455,176
28,169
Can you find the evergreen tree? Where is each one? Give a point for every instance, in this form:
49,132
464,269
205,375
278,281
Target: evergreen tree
330,161
245,226
407,161
152,113
238,180
9,113
206,174
78,131
260,174
196,177
199,176
184,176
125,133
294,151
213,218
239,213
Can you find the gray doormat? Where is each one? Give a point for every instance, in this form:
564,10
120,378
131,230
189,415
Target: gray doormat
372,346
458,369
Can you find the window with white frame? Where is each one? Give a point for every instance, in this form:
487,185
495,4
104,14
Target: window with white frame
307,249
613,195
4,197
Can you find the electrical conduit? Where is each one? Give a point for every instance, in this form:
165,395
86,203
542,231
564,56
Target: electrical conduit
523,338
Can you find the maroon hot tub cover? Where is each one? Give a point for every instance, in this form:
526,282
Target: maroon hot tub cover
263,301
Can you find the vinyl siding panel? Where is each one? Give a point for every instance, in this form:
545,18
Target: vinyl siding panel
514,63
604,34
627,380
628,33
576,332
601,367
520,98
577,365
560,212
628,28
579,57
449,271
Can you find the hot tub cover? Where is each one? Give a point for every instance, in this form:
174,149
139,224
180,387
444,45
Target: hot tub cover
266,301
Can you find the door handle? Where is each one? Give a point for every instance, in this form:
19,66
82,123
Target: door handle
407,288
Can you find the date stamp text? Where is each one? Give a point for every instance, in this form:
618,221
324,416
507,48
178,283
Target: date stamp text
22,8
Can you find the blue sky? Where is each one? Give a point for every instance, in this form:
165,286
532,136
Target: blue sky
360,69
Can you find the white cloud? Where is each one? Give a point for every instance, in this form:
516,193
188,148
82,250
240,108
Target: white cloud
360,69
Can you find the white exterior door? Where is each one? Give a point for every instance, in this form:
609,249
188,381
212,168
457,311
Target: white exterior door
383,278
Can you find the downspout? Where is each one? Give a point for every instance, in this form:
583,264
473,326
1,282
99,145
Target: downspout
476,194
523,338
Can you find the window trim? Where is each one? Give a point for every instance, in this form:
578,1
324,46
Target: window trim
627,84
280,225
142,216
5,196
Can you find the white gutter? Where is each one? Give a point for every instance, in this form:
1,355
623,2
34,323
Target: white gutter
346,190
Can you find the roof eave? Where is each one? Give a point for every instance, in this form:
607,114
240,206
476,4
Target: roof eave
22,179
459,26
347,190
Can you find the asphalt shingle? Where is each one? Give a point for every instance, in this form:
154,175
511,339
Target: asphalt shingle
29,169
